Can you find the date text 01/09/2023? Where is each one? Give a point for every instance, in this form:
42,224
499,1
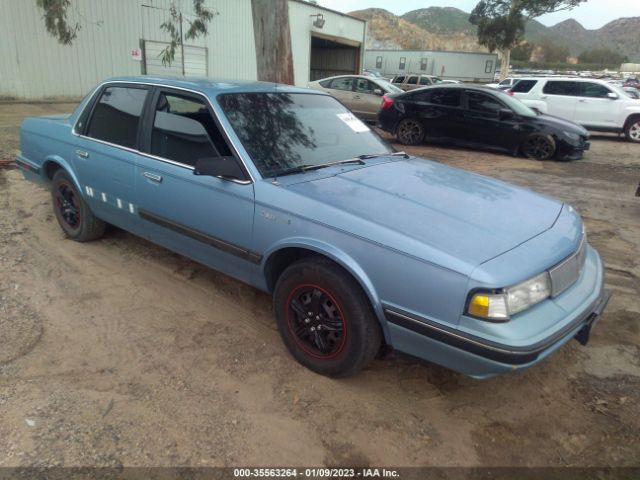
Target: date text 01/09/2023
314,473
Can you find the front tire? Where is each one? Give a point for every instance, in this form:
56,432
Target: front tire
410,132
72,212
632,132
539,146
325,319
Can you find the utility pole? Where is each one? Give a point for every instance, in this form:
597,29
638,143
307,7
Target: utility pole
182,45
273,41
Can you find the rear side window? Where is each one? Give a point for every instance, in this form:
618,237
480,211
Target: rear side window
448,98
184,130
325,83
523,86
593,90
412,80
342,84
364,86
558,87
116,116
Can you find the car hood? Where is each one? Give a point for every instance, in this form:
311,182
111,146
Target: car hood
430,210
561,124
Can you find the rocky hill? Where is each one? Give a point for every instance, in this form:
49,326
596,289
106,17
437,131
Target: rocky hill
448,28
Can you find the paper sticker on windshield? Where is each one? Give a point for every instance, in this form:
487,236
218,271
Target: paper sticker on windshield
355,124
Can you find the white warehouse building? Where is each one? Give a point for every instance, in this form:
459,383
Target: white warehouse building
465,66
123,37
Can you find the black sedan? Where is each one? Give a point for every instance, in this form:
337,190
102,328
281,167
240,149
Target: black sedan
480,117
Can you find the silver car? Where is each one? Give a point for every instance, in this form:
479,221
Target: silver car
361,94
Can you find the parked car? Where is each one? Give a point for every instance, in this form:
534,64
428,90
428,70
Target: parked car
632,92
504,84
362,95
455,82
480,117
592,103
632,82
411,82
284,189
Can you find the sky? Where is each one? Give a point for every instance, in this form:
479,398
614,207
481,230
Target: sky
592,15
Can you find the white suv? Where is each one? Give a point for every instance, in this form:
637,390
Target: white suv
594,104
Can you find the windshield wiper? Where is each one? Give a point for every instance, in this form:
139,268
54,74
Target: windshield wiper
394,154
308,168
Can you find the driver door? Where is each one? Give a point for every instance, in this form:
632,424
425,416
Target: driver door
482,124
205,218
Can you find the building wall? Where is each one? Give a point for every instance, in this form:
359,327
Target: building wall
337,26
33,65
466,66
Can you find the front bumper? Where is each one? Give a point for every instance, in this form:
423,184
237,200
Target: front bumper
481,357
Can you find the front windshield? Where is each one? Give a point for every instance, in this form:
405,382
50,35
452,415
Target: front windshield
517,106
282,131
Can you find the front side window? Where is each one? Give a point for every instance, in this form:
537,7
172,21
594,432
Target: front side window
342,84
594,90
364,86
399,79
412,80
281,131
378,62
480,102
559,87
116,116
403,62
184,130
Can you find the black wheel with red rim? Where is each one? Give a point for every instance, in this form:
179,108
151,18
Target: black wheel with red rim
72,213
325,318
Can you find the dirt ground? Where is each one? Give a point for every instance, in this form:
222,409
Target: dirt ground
119,352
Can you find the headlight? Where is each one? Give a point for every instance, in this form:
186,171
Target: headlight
572,136
499,306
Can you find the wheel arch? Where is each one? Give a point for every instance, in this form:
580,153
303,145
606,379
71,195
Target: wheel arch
278,258
630,118
52,164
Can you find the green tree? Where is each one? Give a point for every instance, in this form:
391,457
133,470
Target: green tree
554,53
602,56
501,23
57,24
522,52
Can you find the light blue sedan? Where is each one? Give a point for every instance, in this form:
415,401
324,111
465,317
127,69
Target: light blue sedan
360,246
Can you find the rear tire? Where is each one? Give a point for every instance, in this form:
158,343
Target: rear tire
632,131
539,146
72,212
410,132
325,319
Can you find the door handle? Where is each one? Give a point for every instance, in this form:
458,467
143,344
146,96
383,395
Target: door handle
154,177
356,97
582,101
82,153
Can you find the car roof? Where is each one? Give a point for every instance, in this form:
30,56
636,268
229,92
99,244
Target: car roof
459,86
568,79
353,75
212,86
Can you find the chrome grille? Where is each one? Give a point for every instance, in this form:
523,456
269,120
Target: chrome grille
566,273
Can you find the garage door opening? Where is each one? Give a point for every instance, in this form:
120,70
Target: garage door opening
332,57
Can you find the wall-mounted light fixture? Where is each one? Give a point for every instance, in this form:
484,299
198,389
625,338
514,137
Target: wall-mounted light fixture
319,21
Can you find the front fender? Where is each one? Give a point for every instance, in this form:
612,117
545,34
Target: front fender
338,256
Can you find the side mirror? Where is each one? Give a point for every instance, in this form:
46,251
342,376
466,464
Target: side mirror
505,114
612,96
378,92
221,167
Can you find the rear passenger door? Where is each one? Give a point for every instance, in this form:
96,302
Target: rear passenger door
105,153
366,103
561,97
205,218
439,111
342,89
594,108
412,83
